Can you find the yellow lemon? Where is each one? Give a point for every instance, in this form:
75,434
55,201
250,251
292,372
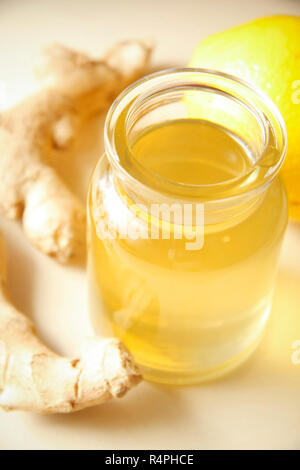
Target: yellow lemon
266,53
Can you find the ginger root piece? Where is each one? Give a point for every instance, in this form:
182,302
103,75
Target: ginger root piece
76,87
33,378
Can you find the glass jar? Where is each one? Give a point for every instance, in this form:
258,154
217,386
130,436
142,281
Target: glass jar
186,216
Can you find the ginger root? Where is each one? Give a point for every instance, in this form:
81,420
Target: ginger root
76,87
33,378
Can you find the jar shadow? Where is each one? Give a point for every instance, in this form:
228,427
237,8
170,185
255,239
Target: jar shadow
272,362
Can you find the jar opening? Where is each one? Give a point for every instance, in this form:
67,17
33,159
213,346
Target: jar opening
233,135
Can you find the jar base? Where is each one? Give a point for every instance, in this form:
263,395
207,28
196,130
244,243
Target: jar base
178,378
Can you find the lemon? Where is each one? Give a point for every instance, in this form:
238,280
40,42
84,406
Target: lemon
266,53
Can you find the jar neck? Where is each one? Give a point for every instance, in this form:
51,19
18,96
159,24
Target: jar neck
196,94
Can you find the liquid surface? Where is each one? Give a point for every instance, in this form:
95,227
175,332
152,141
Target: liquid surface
186,315
191,151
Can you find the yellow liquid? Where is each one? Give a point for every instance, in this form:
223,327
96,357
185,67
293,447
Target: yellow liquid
192,152
186,315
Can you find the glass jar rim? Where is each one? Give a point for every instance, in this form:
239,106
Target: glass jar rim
266,111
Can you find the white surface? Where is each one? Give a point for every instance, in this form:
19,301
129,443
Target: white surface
257,406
